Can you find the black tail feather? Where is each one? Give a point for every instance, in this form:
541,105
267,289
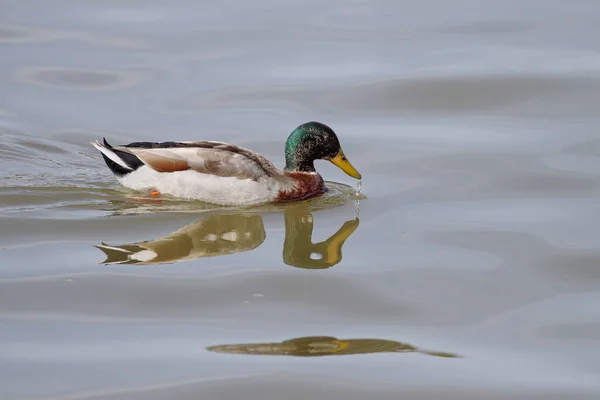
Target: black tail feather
129,159
115,168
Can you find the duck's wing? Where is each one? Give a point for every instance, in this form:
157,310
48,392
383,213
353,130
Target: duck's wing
205,157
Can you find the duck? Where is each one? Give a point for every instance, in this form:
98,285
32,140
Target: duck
226,174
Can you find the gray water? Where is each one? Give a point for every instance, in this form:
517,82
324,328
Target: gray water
471,271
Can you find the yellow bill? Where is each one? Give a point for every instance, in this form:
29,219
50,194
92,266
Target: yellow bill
342,163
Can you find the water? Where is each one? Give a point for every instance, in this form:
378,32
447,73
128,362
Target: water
472,270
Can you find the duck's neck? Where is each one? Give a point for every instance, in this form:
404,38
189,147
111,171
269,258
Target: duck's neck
301,185
293,164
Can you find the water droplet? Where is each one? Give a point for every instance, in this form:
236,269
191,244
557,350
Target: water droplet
258,294
357,200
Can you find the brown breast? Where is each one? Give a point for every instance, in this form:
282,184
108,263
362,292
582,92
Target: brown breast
305,185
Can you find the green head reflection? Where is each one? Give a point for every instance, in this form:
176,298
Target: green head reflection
298,248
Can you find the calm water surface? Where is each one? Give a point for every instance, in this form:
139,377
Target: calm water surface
471,271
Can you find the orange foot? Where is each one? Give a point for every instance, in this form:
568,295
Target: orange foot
155,193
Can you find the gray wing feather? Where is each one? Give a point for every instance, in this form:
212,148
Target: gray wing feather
214,158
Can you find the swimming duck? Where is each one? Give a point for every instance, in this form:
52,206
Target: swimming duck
222,173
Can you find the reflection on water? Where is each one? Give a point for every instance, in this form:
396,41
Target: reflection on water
216,235
222,234
314,346
300,251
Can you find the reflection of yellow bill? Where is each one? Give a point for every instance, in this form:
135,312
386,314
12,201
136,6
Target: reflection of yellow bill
342,345
335,242
342,163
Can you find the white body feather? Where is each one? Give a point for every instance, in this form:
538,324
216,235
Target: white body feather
209,188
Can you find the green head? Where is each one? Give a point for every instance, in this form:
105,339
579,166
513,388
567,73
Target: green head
315,141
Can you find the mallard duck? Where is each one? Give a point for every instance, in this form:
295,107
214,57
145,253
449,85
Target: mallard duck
222,173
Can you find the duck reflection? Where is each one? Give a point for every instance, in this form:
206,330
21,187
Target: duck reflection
214,236
315,346
222,234
299,250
